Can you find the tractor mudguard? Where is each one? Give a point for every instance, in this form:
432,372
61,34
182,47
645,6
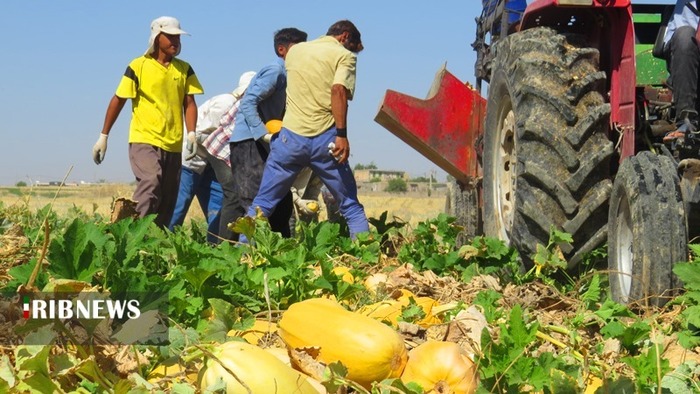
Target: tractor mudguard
444,127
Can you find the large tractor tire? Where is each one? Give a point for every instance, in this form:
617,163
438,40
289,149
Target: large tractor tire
463,203
546,149
647,230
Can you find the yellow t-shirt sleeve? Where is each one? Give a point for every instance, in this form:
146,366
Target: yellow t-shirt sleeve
345,73
128,84
192,85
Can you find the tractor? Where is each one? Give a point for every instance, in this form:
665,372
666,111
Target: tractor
569,137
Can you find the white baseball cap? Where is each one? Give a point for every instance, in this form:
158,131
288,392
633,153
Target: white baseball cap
164,24
243,83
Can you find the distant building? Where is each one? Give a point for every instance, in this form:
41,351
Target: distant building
370,175
375,180
55,183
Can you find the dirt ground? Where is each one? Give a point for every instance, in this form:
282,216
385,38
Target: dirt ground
408,207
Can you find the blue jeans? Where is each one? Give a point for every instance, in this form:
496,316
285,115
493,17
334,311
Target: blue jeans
289,154
209,194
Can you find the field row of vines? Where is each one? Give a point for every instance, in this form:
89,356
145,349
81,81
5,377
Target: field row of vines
398,310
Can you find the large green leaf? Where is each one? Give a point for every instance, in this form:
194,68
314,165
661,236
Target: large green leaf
76,255
147,328
7,374
34,356
689,273
224,317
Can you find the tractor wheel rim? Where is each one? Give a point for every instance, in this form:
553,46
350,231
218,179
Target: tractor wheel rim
504,173
624,253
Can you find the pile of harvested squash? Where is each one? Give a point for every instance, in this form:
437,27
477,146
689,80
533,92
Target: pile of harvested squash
319,331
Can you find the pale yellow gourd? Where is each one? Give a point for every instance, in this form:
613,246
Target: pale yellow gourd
261,371
261,329
281,353
344,273
370,350
390,310
441,367
171,370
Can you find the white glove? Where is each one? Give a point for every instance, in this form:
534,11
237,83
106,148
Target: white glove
100,149
267,137
309,207
191,147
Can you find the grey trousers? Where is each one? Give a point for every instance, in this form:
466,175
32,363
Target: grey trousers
157,175
683,60
230,201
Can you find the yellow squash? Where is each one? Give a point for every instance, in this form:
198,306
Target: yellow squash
371,351
261,371
261,329
171,370
442,368
390,310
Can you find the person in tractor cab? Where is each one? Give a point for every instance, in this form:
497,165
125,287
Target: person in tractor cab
682,58
514,9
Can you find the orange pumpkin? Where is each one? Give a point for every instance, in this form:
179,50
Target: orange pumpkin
441,367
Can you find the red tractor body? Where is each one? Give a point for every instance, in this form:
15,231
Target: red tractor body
565,139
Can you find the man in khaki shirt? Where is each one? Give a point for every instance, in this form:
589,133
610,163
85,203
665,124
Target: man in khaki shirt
320,81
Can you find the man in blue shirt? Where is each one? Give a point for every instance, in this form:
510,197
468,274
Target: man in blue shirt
264,100
683,57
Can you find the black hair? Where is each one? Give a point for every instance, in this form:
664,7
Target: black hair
343,26
287,36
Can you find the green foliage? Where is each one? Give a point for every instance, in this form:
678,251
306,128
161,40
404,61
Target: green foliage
412,312
550,259
488,301
432,246
677,382
505,365
334,380
370,166
649,367
14,191
388,230
396,185
592,292
489,256
689,273
212,290
21,184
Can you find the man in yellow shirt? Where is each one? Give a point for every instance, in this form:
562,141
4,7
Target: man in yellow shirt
320,81
162,89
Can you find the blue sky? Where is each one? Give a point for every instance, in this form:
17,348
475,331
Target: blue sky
62,61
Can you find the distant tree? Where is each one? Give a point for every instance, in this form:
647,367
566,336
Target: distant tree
397,185
424,179
21,184
370,166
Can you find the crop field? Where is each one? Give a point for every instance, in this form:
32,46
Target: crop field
401,309
408,207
